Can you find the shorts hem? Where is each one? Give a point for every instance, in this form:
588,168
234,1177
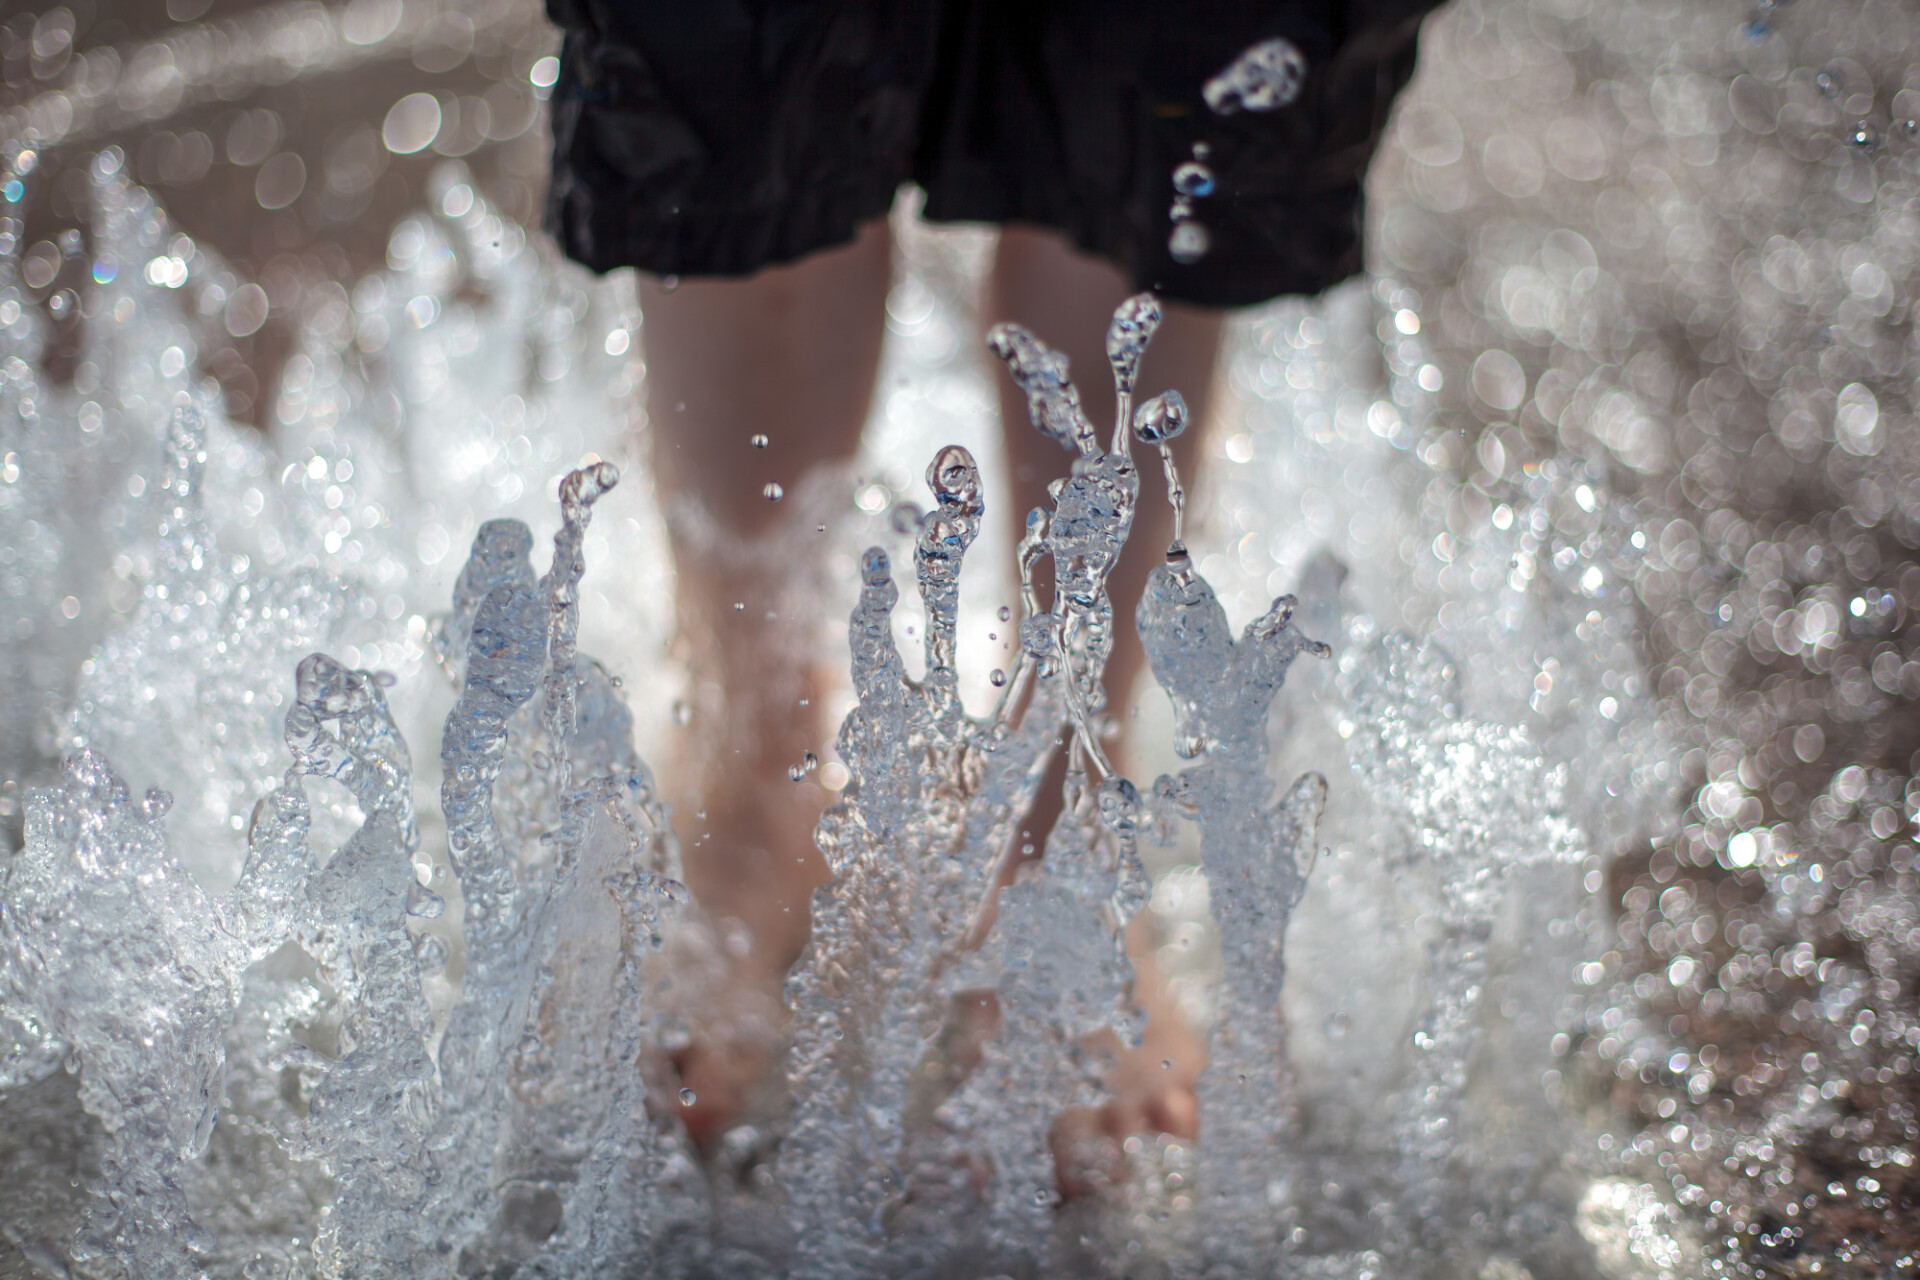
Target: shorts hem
721,241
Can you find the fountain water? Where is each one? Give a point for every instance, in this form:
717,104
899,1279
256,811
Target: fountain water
444,1047
429,1091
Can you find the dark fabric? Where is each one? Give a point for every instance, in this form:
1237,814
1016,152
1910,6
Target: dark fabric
716,137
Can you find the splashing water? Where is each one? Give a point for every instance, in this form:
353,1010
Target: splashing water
1265,77
517,1126
386,1028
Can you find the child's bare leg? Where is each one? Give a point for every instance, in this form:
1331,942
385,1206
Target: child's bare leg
790,355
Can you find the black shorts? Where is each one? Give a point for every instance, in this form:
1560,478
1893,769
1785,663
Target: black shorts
717,137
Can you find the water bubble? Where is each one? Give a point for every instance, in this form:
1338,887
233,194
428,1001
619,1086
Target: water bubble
1005,614
1188,243
1267,76
1864,136
997,678
757,440
1828,83
796,772
688,1097
809,761
682,712
772,491
1193,179
669,283
156,803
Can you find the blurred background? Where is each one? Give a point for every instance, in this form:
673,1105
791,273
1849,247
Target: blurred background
290,138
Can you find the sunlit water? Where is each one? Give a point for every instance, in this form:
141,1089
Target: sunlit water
1557,923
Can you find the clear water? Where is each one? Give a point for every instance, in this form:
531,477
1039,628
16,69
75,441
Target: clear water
284,1010
1556,922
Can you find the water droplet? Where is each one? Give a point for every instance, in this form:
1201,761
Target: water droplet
1864,136
1188,243
1166,1064
809,761
997,678
773,492
739,606
955,480
1005,614
431,952
423,903
1036,635
757,440
796,772
688,1097
1160,419
1193,179
1267,76
1828,83
154,807
905,518
669,283
1201,150
1757,30
682,713
1119,804
1134,323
